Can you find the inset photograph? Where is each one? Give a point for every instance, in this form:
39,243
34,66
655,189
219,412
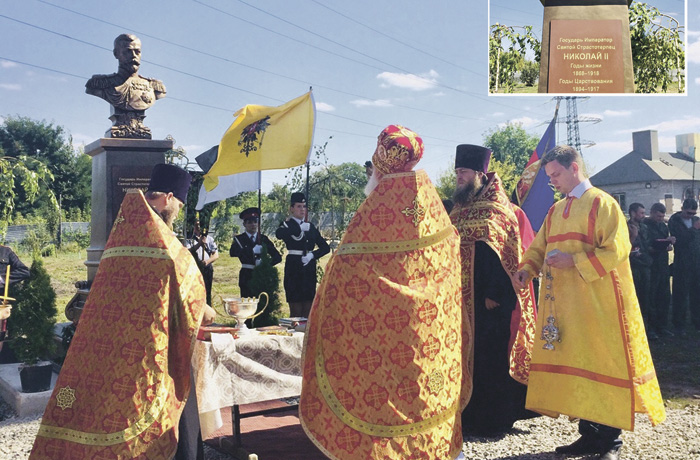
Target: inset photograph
587,47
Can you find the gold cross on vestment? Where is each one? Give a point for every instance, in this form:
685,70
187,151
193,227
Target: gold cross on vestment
417,212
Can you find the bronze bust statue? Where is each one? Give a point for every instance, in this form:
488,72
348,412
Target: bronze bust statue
128,93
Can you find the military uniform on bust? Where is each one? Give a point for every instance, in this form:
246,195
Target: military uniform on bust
248,248
300,265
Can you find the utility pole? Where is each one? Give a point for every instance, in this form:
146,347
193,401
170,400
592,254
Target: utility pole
572,120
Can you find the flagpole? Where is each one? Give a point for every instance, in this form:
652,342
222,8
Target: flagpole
259,238
306,216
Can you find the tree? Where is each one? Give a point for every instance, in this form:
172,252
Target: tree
338,189
34,316
50,145
20,174
529,73
657,49
511,144
507,50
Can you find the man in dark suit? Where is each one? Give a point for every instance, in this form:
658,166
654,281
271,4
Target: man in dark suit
248,248
300,237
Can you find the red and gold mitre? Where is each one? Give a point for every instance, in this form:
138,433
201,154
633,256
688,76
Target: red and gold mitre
383,376
126,377
398,150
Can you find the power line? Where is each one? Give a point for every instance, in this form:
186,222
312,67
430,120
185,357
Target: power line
274,73
218,57
229,110
394,39
469,93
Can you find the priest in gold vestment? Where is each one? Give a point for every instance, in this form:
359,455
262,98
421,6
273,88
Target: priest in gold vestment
383,375
126,378
591,360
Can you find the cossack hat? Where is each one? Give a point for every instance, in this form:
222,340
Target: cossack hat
168,178
398,150
298,197
250,214
473,157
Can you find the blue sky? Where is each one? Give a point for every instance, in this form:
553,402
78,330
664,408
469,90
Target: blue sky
372,63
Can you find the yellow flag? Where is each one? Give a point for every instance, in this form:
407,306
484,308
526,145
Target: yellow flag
265,137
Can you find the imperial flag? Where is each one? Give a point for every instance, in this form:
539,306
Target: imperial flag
265,137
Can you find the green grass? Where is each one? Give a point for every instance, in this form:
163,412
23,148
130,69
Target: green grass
677,360
65,268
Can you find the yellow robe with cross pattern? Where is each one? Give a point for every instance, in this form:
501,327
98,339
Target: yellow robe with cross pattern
601,370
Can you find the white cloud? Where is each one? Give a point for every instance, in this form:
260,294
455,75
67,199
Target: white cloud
409,81
10,86
678,126
525,122
693,53
613,146
590,115
194,148
7,64
697,81
368,103
497,114
617,113
323,107
693,33
439,94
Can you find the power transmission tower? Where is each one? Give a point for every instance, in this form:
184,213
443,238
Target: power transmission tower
573,137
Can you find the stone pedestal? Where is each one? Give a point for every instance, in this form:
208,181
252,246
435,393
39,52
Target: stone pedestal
117,166
586,47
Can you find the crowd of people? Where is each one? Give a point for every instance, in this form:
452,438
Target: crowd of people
653,241
425,328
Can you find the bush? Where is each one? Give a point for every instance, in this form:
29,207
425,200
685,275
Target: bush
34,316
81,239
36,240
529,73
266,278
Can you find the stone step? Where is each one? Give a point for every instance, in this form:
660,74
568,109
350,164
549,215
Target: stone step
25,404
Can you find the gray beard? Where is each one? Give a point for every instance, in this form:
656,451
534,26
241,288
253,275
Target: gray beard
372,183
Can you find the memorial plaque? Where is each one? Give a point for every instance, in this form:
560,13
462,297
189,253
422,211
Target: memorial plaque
585,56
586,47
125,178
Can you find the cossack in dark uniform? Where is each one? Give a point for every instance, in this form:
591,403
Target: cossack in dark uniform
247,247
299,278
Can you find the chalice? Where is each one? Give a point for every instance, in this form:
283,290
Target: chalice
244,308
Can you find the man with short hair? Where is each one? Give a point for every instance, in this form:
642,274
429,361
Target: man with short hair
660,243
383,365
203,248
594,365
125,388
248,247
129,93
300,237
640,262
490,249
686,295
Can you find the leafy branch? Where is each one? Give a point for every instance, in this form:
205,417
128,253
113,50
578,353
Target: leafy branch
657,49
508,46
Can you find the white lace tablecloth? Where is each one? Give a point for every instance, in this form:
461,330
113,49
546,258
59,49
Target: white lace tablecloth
249,369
